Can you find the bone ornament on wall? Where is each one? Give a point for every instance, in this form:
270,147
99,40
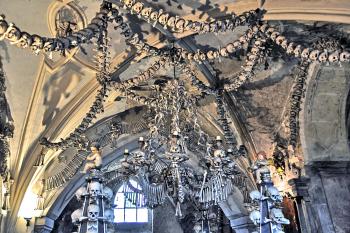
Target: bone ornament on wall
179,24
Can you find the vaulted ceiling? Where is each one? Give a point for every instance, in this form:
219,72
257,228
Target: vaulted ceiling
48,97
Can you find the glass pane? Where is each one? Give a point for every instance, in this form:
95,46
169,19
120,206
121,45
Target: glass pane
119,200
129,198
130,215
119,215
142,215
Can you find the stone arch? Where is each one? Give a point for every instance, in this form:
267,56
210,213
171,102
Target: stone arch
324,139
323,122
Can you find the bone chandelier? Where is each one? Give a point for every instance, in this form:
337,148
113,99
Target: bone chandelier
160,163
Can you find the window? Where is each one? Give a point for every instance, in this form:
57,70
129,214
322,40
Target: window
130,205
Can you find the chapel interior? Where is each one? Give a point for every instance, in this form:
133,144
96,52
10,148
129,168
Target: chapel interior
174,116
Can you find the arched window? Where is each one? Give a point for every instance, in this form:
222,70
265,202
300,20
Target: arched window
130,205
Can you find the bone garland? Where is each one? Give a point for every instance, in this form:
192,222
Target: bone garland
295,101
143,76
138,98
190,73
228,134
66,173
7,128
178,24
307,54
102,76
254,57
38,44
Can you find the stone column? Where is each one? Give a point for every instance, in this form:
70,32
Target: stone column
301,198
43,225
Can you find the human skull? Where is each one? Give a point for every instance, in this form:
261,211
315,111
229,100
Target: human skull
230,48
323,56
314,55
297,51
188,25
255,217
94,188
205,28
109,215
171,22
280,39
76,215
284,44
93,212
255,196
37,44
49,45
146,12
25,40
237,44
274,194
344,56
243,39
210,54
180,24
81,192
197,228
334,57
223,52
137,8
274,36
154,16
278,217
305,54
3,26
214,27
290,48
249,66
129,3
14,34
163,19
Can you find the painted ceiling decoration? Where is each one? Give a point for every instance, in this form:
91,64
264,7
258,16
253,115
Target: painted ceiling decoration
183,154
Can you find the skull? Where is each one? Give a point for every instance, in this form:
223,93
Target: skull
255,50
305,54
154,16
81,192
76,215
205,27
109,215
290,48
297,51
129,3
280,39
197,228
274,194
237,44
3,26
243,39
25,40
213,27
210,54
223,52
146,12
284,44
14,34
94,188
314,55
255,196
230,48
49,45
180,25
323,56
163,19
249,66
137,7
255,217
334,57
344,56
93,212
278,217
171,21
274,36
37,44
